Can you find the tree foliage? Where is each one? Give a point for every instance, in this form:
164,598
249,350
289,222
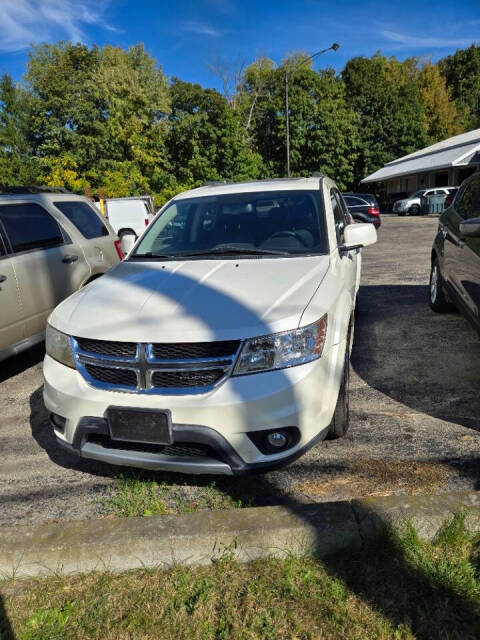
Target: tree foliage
462,75
91,118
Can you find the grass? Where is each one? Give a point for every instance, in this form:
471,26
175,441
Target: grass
400,588
140,496
371,477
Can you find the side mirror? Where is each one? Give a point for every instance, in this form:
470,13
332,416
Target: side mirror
356,236
470,228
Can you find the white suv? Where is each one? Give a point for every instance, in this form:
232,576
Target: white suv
221,344
412,204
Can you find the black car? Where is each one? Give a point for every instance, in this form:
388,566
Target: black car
455,270
363,207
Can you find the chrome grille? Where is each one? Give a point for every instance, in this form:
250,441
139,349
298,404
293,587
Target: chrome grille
107,348
169,368
117,376
187,378
189,350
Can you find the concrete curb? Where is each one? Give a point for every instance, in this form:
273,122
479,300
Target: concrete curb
200,538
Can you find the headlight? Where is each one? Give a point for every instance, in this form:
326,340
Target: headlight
57,346
281,350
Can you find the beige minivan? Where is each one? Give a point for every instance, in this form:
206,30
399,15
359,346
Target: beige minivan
51,244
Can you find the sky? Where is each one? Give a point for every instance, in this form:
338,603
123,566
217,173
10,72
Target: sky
187,37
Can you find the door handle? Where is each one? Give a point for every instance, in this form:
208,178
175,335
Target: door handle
70,259
3,278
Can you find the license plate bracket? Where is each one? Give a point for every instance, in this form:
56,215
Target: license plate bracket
148,426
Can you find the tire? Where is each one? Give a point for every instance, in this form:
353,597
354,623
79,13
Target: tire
414,210
127,240
436,291
341,416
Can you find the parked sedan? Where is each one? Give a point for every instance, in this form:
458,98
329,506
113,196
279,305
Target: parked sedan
455,260
363,207
51,244
221,344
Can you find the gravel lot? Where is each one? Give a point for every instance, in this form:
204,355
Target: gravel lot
414,398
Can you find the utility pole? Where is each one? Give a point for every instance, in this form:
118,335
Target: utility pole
333,47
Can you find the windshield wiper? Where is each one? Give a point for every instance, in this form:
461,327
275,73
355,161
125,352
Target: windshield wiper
232,250
151,254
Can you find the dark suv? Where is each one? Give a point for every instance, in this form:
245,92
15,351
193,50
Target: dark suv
363,207
455,271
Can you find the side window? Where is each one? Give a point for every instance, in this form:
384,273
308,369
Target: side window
29,226
338,214
468,202
84,217
352,201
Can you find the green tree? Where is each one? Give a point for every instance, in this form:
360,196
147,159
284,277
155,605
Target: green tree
441,115
98,113
206,140
17,165
390,118
462,74
323,134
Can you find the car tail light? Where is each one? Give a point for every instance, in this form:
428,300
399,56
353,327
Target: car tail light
448,200
146,222
119,249
374,211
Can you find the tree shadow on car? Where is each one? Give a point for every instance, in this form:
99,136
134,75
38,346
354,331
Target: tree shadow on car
426,361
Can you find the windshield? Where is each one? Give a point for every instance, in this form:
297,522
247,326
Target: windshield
417,194
286,223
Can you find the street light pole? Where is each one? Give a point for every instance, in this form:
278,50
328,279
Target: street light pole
287,123
333,47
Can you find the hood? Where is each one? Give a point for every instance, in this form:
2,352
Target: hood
195,300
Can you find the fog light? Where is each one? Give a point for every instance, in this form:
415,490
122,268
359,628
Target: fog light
58,422
277,440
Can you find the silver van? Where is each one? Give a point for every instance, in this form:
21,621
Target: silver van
51,244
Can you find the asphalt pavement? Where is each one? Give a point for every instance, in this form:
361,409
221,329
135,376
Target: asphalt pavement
415,419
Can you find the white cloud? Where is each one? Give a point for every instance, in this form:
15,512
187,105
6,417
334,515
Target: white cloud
25,21
407,41
199,28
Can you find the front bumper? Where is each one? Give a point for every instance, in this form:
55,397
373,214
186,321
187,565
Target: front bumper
217,422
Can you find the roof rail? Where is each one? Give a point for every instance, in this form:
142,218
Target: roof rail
215,183
317,174
31,188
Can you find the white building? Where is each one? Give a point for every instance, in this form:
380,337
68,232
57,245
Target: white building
445,163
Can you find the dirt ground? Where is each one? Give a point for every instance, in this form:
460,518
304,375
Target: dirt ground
415,403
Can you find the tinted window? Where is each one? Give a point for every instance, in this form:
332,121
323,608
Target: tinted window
29,226
289,222
353,202
468,202
84,217
337,214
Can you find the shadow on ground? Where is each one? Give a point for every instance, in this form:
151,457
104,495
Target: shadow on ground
401,351
17,364
426,361
6,632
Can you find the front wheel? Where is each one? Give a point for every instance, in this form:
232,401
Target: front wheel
414,210
341,416
437,298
